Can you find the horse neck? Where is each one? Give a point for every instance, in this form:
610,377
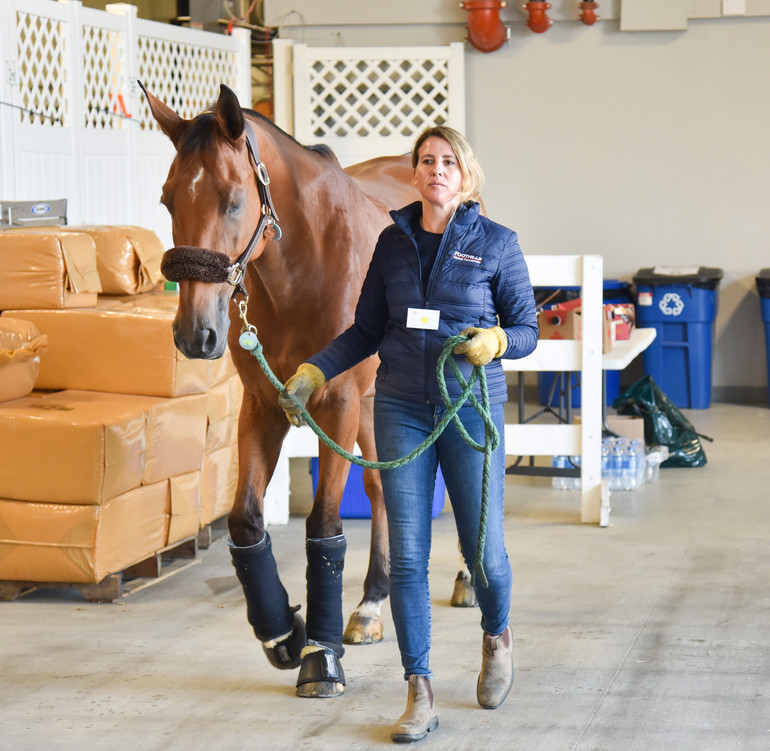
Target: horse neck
301,181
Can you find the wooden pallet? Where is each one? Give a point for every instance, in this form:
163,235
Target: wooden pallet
158,567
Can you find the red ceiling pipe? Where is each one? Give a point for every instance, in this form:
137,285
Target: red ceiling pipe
485,28
588,13
538,20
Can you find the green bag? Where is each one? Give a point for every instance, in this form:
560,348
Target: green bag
664,424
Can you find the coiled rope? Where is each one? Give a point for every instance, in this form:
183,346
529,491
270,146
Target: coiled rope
250,342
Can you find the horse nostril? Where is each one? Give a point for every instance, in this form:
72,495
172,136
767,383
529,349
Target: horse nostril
209,342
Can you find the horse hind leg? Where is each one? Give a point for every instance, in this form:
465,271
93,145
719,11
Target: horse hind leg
463,595
276,624
365,623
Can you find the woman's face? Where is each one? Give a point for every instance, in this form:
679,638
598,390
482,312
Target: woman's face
437,175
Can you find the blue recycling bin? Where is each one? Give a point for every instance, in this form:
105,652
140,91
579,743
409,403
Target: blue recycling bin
681,307
763,287
615,291
355,503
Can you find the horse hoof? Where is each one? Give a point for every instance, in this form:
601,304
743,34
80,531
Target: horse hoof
463,596
363,629
286,653
321,675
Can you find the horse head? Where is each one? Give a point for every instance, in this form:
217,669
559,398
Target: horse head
221,213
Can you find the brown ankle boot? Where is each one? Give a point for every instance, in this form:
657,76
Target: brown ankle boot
419,719
496,677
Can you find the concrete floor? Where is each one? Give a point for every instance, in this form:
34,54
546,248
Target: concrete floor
649,634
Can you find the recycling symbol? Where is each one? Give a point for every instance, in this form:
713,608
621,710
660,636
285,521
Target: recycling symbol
671,304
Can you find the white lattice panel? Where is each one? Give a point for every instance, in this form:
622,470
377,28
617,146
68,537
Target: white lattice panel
367,102
105,78
377,97
41,49
73,123
185,76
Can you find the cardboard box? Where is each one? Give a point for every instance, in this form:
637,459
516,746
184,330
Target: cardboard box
223,407
51,542
568,324
127,258
622,320
219,481
175,428
40,268
66,449
184,507
119,347
20,347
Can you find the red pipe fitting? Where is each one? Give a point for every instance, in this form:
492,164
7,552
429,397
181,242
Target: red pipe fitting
538,20
485,29
588,13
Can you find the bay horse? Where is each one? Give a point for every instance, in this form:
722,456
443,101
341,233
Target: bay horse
301,274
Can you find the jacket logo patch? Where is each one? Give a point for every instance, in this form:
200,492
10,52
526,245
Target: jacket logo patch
467,257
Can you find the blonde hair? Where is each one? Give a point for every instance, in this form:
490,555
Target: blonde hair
473,175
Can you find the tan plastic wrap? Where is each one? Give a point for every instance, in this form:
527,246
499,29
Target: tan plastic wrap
40,268
121,347
184,506
52,542
223,406
70,449
127,258
175,428
219,480
20,347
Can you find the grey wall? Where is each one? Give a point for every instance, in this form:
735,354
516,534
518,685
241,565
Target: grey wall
647,147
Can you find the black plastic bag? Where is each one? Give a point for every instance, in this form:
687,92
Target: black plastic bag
664,424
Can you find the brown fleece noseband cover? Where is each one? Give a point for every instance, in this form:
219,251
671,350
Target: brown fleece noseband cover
198,264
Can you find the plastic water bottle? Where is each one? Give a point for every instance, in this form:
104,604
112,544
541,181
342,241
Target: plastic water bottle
616,466
629,468
574,483
605,458
641,462
559,483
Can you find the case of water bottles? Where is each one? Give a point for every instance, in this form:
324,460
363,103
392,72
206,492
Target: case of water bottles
625,464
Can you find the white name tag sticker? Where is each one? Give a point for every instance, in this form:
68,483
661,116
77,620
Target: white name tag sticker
422,318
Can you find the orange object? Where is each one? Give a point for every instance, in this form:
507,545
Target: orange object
588,13
538,20
486,31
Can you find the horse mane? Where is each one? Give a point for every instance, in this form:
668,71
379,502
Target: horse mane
201,133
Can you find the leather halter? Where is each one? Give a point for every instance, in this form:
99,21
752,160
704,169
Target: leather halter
202,264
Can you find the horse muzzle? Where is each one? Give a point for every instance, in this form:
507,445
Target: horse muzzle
187,262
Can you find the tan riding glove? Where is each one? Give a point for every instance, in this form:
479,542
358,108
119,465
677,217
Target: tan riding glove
301,385
483,346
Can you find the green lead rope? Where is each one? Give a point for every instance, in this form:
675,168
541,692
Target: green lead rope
249,341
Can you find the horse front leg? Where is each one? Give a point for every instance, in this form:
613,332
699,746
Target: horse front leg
365,623
321,673
276,623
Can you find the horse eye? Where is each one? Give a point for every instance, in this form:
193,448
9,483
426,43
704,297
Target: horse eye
234,208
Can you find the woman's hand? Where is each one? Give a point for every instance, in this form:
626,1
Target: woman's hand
301,385
483,346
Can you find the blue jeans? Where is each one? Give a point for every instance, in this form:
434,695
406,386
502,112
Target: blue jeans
399,427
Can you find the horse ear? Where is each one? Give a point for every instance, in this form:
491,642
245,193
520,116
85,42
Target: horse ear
229,113
170,123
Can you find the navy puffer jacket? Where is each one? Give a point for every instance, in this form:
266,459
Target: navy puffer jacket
479,276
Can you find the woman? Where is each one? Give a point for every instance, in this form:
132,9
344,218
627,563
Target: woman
439,270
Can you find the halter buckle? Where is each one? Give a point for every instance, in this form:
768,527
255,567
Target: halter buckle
235,275
264,178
